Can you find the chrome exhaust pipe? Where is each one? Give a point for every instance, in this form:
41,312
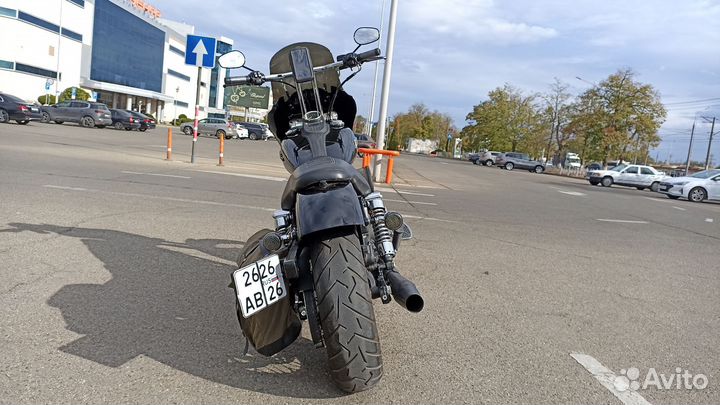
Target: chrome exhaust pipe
405,292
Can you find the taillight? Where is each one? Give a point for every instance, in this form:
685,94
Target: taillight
131,120
100,111
24,108
146,121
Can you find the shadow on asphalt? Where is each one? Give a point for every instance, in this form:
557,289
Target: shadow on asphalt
165,303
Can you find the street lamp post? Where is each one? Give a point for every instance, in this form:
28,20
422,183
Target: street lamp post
386,87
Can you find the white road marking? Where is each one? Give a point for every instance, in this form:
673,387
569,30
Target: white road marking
679,208
66,188
391,190
410,202
576,193
607,378
204,202
155,197
157,174
622,221
709,220
429,219
250,176
656,199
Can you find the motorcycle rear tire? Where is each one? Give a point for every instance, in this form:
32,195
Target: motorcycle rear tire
346,313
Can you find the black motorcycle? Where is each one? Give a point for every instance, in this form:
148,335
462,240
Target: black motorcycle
334,245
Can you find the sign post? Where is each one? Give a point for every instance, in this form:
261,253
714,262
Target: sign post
200,52
48,83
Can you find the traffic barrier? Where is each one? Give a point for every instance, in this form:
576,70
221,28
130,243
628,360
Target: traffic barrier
169,145
391,154
222,151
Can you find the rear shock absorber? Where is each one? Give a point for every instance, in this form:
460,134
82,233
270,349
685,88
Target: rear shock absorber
383,235
383,242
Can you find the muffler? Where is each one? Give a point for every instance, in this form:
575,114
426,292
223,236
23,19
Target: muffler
405,292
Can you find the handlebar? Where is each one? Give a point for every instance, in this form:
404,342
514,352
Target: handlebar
344,61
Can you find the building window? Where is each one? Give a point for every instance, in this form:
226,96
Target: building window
126,49
8,12
80,3
20,67
37,21
177,51
178,75
181,104
71,34
6,64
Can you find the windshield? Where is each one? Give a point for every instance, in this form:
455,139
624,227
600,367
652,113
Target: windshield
319,55
618,168
706,174
12,98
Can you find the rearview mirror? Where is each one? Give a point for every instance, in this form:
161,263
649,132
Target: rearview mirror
366,35
232,60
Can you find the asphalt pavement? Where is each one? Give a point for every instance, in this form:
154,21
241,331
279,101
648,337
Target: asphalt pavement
539,289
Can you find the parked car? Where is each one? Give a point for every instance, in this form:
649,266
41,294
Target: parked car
257,131
242,132
14,108
364,141
638,176
486,158
85,113
515,160
122,119
145,121
697,187
211,126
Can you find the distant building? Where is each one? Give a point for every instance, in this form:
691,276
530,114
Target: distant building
119,50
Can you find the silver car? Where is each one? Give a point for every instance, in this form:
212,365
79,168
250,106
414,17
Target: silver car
85,113
516,160
211,126
639,176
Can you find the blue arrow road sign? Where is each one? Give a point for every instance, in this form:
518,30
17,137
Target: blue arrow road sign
200,51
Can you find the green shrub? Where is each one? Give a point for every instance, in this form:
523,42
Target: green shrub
50,99
80,94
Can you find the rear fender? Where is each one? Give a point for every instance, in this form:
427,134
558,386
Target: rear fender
322,211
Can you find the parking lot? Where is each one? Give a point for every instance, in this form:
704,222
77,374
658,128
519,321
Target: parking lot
116,262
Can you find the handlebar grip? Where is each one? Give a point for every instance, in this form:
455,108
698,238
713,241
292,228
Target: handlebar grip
362,57
236,81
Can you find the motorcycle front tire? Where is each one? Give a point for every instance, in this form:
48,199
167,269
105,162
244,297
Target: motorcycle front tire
346,313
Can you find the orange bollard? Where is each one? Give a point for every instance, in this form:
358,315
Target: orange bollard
169,145
222,150
388,175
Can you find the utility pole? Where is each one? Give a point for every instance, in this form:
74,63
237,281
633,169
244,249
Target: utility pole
687,162
385,88
707,157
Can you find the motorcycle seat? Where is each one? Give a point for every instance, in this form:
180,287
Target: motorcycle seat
325,168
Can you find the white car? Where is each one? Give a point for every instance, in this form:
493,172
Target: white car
698,187
242,132
638,176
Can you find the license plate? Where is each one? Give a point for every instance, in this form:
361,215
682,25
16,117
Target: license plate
259,285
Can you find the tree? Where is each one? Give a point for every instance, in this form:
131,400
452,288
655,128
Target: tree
509,120
80,94
419,122
360,125
557,115
619,117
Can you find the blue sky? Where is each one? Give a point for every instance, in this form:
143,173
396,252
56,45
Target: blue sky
450,53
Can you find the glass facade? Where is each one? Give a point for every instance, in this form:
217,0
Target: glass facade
126,50
222,48
6,64
21,67
80,3
178,75
8,12
177,51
